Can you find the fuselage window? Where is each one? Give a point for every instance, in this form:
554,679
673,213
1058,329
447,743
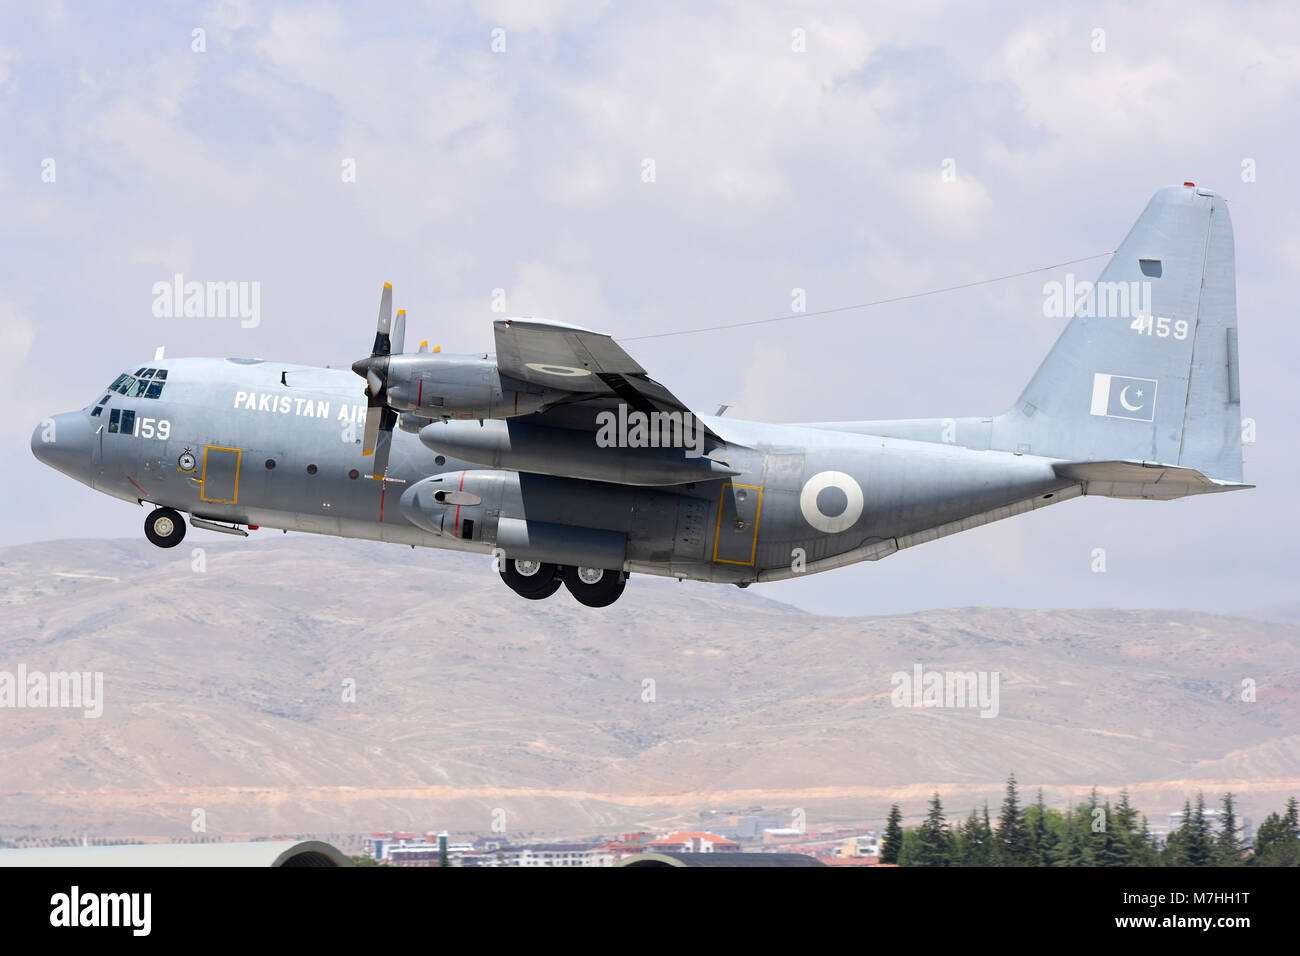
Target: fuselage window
98,409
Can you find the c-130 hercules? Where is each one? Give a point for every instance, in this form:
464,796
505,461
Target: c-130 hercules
545,454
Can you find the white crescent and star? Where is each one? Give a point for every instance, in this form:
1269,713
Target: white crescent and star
1123,398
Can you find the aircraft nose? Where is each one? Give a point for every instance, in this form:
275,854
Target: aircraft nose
64,443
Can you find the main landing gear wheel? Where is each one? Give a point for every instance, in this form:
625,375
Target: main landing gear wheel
595,587
531,579
164,527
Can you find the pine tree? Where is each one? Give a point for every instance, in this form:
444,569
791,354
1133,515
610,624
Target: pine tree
934,843
1012,836
1111,847
1126,818
1094,828
893,841
1042,838
1175,849
1277,842
910,851
1070,850
1198,846
1148,848
977,840
1228,847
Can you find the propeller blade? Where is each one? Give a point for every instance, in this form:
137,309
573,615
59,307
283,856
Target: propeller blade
384,443
383,343
374,384
371,435
399,333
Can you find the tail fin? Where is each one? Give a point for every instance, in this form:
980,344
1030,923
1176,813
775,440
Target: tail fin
1146,370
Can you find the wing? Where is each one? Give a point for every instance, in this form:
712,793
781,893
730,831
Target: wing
589,365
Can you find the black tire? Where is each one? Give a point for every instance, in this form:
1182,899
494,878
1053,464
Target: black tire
164,527
542,583
599,593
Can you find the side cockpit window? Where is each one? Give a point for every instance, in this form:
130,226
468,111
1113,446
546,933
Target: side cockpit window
121,420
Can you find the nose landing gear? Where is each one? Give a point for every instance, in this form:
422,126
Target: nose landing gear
164,527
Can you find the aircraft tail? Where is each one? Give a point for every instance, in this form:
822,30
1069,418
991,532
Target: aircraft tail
1146,370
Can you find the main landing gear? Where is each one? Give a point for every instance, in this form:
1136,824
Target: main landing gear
594,587
164,527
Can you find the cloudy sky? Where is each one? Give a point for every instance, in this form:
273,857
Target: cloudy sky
506,145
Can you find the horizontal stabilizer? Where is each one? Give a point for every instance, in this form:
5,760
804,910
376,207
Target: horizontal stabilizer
1141,479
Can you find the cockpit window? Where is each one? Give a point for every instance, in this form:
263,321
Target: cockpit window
145,383
99,408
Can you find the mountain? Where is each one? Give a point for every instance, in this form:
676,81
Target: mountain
226,662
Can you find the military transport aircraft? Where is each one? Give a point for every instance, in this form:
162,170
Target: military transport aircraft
561,457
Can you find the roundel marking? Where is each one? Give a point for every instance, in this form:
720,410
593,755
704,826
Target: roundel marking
564,371
813,513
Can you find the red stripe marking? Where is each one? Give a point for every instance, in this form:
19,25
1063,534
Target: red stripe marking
137,487
456,530
516,403
419,399
383,490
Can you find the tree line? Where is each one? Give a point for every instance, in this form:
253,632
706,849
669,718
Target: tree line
1093,833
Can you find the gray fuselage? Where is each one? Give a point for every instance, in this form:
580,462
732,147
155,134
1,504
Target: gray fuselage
273,445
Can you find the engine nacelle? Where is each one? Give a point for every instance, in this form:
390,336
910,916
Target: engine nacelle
457,504
437,386
487,507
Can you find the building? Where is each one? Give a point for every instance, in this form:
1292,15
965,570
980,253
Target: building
629,844
555,854
692,841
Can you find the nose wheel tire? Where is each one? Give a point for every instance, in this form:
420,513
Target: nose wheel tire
595,587
533,580
164,527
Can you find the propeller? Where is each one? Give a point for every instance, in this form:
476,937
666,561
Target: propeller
380,418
